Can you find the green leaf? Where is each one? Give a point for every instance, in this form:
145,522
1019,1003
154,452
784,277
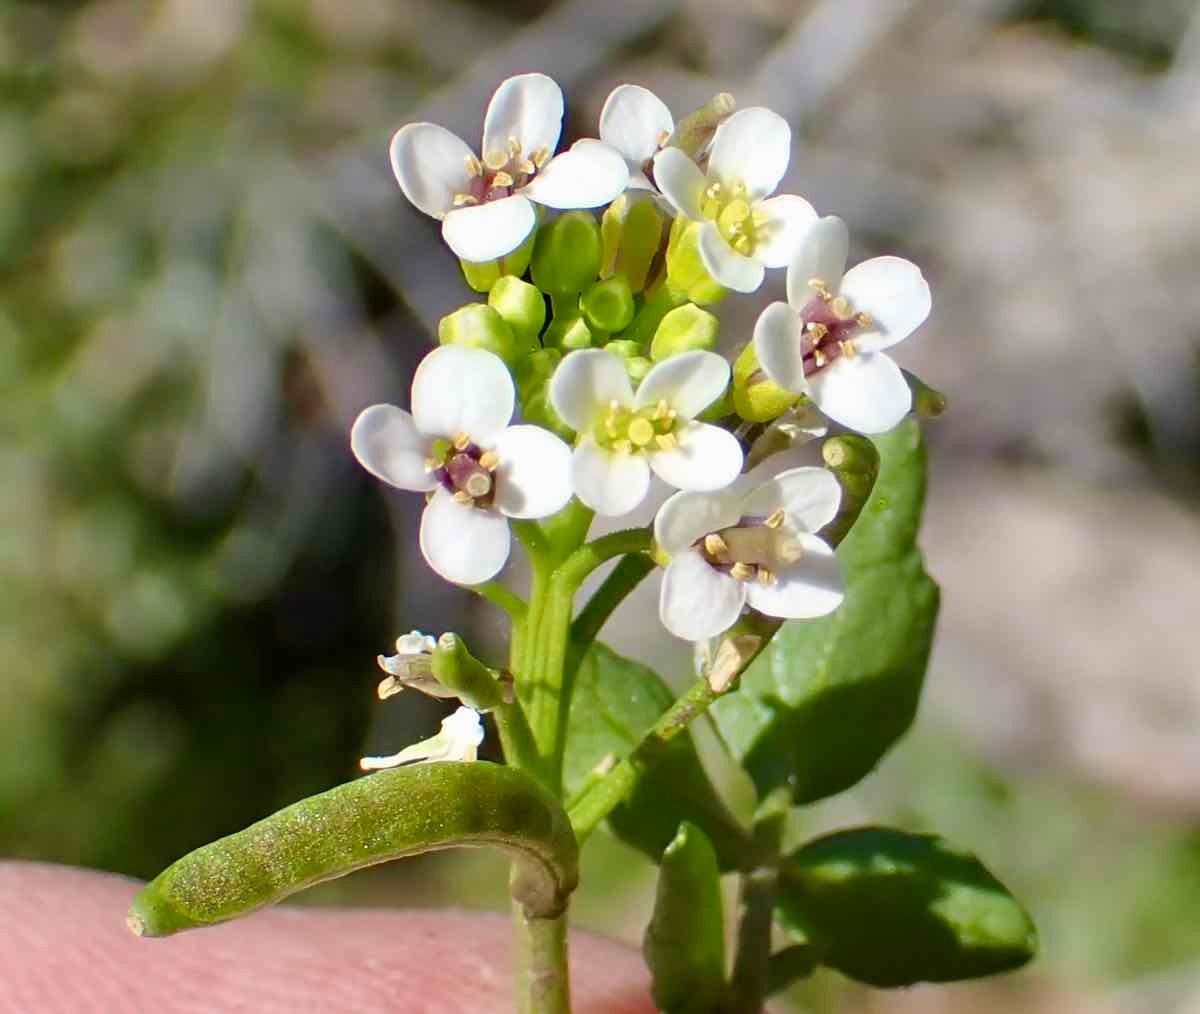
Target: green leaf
827,698
685,941
615,702
893,909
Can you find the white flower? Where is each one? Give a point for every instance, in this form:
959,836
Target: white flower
411,666
728,550
637,123
458,740
622,436
745,230
484,203
457,446
827,341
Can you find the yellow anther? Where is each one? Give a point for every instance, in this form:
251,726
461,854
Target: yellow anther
819,358
820,288
461,199
743,571
662,410
461,497
788,551
502,179
496,160
662,137
864,320
841,308
743,245
666,441
614,405
775,518
849,350
622,447
514,147
640,431
461,441
712,191
474,166
759,217
527,167
540,157
610,426
715,546
489,460
766,576
816,330
431,465
479,484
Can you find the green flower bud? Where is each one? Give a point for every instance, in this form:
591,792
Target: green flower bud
472,681
624,348
756,397
534,370
479,326
637,367
482,275
696,129
568,332
521,305
567,253
608,305
538,409
685,328
685,267
631,230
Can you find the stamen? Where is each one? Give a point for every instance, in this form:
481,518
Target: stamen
820,288
463,498
662,137
715,546
622,447
775,518
788,551
431,465
502,179
819,358
766,576
489,460
712,191
662,410
841,308
461,199
849,349
817,330
527,167
496,160
743,571
474,166
666,441
865,320
514,148
461,441
540,157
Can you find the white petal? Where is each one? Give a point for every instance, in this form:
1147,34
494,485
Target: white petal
634,121
867,393
697,601
588,174
611,484
680,181
462,390
687,517
533,479
812,587
527,108
688,382
387,444
810,498
707,458
464,544
753,146
822,255
726,265
584,383
638,180
777,345
895,294
430,164
485,232
788,220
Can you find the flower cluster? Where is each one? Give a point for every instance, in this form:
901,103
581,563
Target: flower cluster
596,266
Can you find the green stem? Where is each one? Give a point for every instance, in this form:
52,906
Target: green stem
504,598
516,739
626,576
540,946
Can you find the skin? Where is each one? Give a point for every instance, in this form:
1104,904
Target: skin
64,948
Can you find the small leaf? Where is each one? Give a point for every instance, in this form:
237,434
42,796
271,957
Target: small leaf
892,909
827,698
615,702
685,941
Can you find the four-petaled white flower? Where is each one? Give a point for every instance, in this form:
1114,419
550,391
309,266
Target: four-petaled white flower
728,550
745,230
828,343
637,123
457,446
458,740
622,436
411,666
483,201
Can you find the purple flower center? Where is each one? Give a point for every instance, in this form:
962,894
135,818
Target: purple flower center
467,474
829,325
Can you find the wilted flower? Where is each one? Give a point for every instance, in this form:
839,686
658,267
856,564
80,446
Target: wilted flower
411,668
458,740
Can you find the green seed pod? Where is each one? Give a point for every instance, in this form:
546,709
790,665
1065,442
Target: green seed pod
631,230
567,254
686,270
479,326
522,306
608,305
756,396
854,461
568,333
474,683
928,402
685,328
388,815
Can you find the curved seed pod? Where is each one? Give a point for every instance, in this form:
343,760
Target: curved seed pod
389,815
474,683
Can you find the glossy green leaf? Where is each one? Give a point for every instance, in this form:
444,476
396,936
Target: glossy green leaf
827,698
893,909
615,701
684,944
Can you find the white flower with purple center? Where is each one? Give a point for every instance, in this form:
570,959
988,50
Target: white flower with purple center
827,341
745,229
457,740
623,436
483,201
730,550
458,447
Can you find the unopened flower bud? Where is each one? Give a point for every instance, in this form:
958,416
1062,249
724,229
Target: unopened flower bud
568,333
685,328
624,348
694,132
756,397
533,375
685,266
472,681
478,325
522,306
632,231
482,276
637,367
567,254
607,306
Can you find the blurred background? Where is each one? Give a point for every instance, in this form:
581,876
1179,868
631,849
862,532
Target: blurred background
206,270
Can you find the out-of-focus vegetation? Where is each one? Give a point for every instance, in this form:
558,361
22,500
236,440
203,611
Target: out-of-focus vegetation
205,272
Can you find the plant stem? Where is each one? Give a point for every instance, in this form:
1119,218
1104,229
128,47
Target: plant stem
540,947
504,598
626,576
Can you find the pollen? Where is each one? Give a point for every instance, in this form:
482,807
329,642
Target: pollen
743,571
775,518
820,288
715,546
461,441
489,460
502,179
849,349
463,199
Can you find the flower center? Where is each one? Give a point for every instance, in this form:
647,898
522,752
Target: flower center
465,470
755,549
501,173
742,225
626,431
829,326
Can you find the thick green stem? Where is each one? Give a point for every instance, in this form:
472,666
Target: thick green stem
504,598
540,948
